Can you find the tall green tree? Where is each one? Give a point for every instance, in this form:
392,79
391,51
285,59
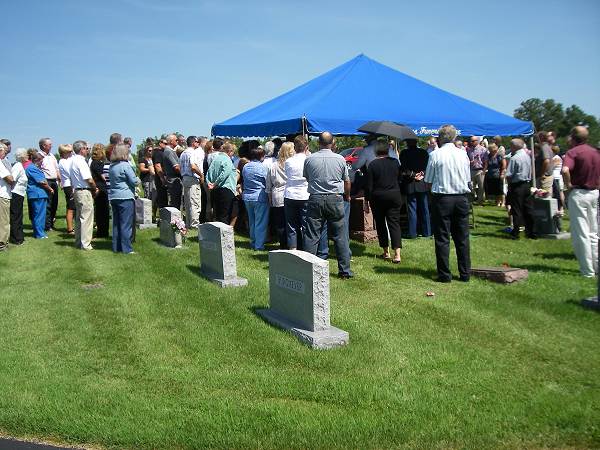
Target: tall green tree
545,115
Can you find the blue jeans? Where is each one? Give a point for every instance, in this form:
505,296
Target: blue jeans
417,206
38,216
258,220
328,209
122,213
295,215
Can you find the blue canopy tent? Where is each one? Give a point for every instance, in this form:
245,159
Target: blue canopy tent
343,99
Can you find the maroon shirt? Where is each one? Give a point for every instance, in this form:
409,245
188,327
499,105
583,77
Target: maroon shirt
583,162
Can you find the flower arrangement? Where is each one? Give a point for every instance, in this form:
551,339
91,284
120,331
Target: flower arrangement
178,226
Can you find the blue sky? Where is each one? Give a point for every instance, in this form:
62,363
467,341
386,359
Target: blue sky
83,69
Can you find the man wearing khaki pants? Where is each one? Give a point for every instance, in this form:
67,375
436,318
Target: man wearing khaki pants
84,190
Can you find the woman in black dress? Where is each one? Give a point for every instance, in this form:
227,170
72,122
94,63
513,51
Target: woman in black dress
101,206
383,193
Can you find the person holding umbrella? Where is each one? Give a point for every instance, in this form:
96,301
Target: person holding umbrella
383,193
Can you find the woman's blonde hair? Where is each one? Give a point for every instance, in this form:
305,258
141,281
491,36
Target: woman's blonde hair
286,151
63,149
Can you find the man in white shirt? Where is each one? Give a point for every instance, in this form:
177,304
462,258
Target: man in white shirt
64,169
190,165
50,170
448,175
367,154
84,189
6,183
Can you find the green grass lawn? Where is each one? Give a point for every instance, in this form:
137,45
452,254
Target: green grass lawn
139,351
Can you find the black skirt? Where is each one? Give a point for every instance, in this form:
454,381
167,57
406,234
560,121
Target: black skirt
493,186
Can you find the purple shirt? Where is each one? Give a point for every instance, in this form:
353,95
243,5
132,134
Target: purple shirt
583,162
476,155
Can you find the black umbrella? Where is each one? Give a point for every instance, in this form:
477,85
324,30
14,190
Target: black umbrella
386,128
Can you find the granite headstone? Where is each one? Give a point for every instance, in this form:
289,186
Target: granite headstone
143,213
217,254
546,220
299,298
168,236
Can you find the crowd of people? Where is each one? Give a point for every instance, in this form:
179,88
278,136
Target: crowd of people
283,192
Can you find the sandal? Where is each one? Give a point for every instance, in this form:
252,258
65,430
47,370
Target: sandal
70,231
397,261
385,257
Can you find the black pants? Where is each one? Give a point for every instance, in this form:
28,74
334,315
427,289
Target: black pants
222,202
52,205
162,196
278,221
450,217
101,208
386,213
175,190
16,219
521,207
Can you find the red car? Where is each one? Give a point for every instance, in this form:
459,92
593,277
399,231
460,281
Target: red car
351,155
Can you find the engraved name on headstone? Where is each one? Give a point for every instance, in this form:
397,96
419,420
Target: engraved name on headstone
299,298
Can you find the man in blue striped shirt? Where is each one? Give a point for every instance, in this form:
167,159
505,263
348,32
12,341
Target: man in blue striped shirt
448,175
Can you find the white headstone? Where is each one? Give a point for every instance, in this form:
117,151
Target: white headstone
143,213
299,298
168,236
217,254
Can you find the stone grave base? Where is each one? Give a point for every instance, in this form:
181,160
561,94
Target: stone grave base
321,340
146,226
591,303
364,236
233,282
557,236
500,274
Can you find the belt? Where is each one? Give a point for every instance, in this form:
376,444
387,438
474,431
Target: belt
325,195
50,179
437,194
83,189
584,188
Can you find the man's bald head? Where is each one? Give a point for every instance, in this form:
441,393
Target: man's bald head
580,134
325,139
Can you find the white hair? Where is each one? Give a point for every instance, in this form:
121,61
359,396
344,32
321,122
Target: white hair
269,148
21,153
447,133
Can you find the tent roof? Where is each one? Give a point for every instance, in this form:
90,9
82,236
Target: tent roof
360,90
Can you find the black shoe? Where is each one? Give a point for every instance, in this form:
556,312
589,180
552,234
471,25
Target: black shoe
345,276
533,236
464,279
442,280
514,237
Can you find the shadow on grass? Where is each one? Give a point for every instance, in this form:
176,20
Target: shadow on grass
260,255
579,304
564,255
98,245
428,274
550,269
195,270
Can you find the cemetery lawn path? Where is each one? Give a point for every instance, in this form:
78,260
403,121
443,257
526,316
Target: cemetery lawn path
138,351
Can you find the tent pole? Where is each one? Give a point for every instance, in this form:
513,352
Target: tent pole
531,143
304,128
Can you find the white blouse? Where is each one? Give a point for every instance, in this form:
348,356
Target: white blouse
296,186
18,174
276,184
